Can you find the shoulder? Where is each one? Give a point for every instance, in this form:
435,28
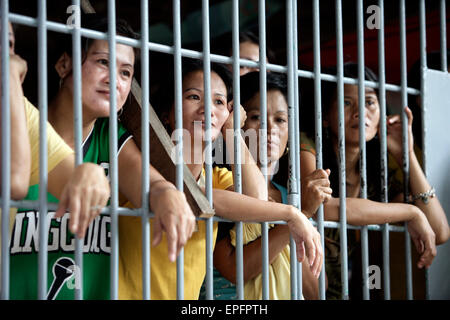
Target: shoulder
222,178
307,143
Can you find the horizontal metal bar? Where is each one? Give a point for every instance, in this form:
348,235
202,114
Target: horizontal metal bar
92,34
34,205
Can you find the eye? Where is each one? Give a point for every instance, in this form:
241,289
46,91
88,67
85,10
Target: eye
254,117
219,102
370,102
126,73
103,61
347,103
281,120
193,96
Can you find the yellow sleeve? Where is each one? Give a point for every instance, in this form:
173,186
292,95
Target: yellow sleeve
222,178
57,148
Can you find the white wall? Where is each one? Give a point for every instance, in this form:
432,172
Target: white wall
437,101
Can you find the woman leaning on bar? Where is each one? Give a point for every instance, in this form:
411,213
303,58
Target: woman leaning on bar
173,215
316,190
227,204
66,181
427,223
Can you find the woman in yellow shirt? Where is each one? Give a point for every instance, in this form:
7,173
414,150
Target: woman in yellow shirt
227,204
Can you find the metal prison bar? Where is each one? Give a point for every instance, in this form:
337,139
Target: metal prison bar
294,187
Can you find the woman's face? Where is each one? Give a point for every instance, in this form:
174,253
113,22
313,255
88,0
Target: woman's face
193,100
11,39
351,115
277,123
95,77
250,51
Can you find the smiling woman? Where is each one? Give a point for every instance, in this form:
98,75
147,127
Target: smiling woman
172,212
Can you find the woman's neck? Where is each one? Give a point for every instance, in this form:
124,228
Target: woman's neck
61,118
271,166
351,156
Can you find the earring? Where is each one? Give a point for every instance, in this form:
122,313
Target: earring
286,151
61,82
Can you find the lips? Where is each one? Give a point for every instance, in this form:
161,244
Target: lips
104,92
356,126
202,123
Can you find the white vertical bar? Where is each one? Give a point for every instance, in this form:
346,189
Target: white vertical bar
43,178
383,150
362,145
6,150
208,145
403,66
263,139
341,156
423,68
178,129
78,132
293,186
114,276
318,126
145,149
237,149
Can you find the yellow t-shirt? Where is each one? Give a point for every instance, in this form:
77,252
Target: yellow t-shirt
279,269
58,150
163,272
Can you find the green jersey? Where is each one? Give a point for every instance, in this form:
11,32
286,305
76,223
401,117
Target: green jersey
63,274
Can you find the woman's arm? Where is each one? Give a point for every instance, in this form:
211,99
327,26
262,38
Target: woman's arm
365,212
225,260
79,190
173,214
225,254
417,180
238,207
20,144
253,181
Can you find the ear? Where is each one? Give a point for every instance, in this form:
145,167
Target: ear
230,105
64,65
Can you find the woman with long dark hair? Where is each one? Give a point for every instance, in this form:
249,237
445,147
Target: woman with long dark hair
426,219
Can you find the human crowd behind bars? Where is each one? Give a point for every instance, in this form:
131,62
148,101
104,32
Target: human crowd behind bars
83,190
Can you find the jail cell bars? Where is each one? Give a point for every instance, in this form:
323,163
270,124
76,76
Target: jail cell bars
178,52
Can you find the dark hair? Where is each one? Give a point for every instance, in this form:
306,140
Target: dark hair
330,158
329,89
224,44
249,88
164,97
97,22
414,81
90,21
249,84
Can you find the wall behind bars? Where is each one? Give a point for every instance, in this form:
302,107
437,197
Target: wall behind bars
437,101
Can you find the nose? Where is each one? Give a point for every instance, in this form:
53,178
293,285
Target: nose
272,128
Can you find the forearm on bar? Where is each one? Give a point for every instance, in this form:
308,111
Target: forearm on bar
364,212
433,209
238,207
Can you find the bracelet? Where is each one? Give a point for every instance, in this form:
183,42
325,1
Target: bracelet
424,196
